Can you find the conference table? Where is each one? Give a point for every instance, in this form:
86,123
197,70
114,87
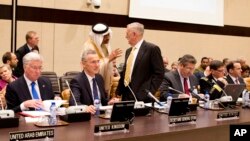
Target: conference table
145,128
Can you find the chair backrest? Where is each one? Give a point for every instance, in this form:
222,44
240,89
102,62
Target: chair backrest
52,76
74,73
62,82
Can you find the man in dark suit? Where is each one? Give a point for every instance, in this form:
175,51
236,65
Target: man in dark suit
215,82
176,79
143,67
234,73
88,86
31,44
28,91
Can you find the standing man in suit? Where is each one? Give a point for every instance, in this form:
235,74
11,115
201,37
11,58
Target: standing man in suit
31,44
143,67
28,91
181,79
234,73
88,86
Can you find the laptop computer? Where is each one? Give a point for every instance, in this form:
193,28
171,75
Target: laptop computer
233,90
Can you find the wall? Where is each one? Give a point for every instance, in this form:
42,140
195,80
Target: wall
61,43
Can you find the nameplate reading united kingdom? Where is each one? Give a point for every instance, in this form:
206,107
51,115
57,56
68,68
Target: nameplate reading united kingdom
113,126
29,135
228,115
182,118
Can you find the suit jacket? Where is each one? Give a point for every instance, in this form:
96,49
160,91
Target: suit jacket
20,53
210,85
147,73
82,91
230,80
173,79
18,92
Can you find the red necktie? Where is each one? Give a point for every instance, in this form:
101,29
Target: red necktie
186,90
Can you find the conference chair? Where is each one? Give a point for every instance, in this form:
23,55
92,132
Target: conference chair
73,73
52,76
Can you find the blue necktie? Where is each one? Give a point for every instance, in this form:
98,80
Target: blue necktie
95,93
34,92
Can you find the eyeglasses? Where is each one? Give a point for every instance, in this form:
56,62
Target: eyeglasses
36,67
221,70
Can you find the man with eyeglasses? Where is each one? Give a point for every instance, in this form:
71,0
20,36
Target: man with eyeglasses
29,90
181,80
215,82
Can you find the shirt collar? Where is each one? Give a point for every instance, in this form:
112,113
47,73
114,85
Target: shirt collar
28,81
138,45
30,48
89,77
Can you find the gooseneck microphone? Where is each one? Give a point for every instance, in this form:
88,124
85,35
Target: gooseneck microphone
197,95
170,88
131,91
67,83
5,113
153,97
76,108
138,104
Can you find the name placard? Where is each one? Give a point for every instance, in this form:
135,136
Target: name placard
181,119
113,126
28,135
228,114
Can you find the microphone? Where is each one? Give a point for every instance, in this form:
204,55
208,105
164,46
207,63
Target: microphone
170,88
153,97
76,108
5,113
138,104
196,95
223,98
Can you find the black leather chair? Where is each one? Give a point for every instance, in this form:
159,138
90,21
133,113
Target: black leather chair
73,73
52,76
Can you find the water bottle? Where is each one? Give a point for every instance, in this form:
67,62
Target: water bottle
207,98
169,100
245,99
52,117
97,106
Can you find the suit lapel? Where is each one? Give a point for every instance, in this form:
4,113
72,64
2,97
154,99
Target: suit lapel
139,55
25,89
42,88
179,83
87,86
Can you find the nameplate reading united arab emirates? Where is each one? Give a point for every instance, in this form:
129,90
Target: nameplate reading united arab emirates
29,135
182,118
228,114
113,126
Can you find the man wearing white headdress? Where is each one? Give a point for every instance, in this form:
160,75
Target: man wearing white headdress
99,40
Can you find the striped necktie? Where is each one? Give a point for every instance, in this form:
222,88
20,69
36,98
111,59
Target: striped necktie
33,90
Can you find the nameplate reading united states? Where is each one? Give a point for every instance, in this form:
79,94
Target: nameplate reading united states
228,114
113,126
29,135
181,119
